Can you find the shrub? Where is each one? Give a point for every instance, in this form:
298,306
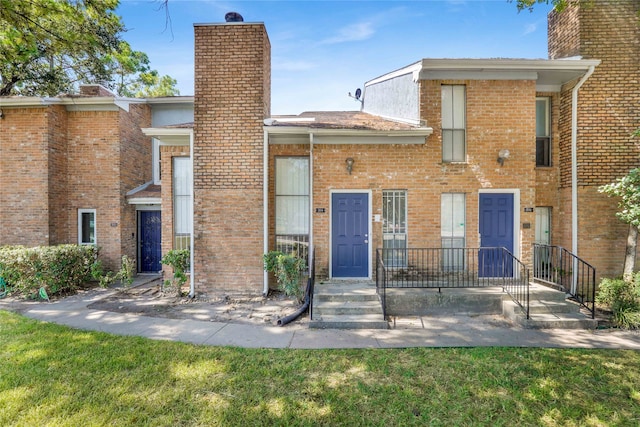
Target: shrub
287,269
179,261
624,300
58,269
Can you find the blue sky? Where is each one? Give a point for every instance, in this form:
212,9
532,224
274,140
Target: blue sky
321,50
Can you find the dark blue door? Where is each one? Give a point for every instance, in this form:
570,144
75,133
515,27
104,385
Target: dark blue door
350,235
496,231
150,235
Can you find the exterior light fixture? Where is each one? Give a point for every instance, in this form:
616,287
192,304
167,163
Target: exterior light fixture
503,154
349,163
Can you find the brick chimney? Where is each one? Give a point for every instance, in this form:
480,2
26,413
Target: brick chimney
232,99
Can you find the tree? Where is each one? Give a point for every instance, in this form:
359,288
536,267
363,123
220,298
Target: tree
557,4
627,189
48,47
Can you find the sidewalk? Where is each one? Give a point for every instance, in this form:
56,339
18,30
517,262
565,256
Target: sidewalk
443,331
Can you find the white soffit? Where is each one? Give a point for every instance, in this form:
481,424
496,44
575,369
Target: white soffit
170,136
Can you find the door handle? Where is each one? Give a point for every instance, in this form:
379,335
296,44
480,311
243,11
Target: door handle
366,241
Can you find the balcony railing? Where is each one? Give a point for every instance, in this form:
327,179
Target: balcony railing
452,268
555,266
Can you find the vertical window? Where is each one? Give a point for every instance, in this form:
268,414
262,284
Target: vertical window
182,215
86,226
543,134
156,160
394,227
543,225
452,230
292,206
454,147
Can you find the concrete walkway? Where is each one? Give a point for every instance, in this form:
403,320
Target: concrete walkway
443,331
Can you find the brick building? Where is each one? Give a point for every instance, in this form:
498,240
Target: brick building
443,154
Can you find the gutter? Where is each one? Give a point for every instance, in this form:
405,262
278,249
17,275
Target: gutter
265,204
192,282
574,167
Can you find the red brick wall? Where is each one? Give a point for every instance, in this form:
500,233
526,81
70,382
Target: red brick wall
135,169
232,98
59,221
501,115
24,177
608,113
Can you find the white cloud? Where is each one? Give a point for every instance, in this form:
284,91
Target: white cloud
531,28
354,32
292,65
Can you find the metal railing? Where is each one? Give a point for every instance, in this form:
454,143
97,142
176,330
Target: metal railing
452,268
555,266
311,281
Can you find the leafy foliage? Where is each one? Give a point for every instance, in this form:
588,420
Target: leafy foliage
58,269
558,5
48,47
125,275
623,297
179,260
627,189
287,269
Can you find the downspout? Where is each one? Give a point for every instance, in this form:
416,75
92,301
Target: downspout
265,208
310,192
192,281
574,168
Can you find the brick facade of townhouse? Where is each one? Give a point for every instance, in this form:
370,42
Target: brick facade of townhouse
249,169
608,113
75,154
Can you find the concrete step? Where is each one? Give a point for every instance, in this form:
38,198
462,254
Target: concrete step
551,307
557,320
347,307
349,321
539,292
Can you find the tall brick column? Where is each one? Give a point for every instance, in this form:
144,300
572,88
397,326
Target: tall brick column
232,99
608,112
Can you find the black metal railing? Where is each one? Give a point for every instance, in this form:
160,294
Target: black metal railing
555,266
311,281
452,268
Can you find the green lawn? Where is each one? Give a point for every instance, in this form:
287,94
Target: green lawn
51,375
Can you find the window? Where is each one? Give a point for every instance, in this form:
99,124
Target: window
292,206
182,215
543,225
86,226
394,227
454,123
543,135
452,230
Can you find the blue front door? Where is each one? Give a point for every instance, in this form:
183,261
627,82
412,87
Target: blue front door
496,231
350,235
150,240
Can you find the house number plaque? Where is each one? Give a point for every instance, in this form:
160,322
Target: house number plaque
320,210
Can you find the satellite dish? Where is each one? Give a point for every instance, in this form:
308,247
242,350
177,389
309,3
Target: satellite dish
358,93
233,17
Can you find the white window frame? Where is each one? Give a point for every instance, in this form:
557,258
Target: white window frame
81,212
454,123
453,255
399,257
188,215
155,158
547,131
297,239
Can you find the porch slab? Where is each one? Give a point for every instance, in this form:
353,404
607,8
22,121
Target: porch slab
433,302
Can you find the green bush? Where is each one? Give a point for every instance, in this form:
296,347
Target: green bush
287,269
624,300
179,261
58,269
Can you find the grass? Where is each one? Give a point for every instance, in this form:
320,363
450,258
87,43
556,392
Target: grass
51,375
